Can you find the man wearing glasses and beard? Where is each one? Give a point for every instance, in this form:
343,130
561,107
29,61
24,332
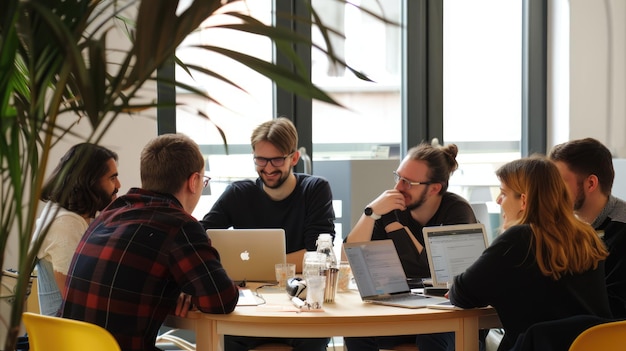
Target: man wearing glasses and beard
419,199
301,204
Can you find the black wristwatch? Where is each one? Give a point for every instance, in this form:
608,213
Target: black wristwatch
370,213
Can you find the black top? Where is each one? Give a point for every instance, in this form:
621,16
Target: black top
506,276
304,214
611,224
452,210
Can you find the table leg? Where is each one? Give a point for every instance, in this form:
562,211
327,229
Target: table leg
467,339
207,338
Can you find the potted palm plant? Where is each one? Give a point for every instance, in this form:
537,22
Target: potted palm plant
57,67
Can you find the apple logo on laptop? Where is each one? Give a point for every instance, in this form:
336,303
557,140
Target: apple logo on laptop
245,256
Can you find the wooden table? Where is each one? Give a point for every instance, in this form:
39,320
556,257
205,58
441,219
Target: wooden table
347,316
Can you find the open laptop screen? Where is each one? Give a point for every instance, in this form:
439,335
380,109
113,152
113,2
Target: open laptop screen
376,268
451,249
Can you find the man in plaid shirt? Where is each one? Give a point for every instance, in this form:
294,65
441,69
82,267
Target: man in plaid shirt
145,256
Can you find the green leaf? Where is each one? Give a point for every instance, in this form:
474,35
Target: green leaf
282,77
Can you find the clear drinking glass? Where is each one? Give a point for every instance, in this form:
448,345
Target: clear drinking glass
313,263
345,275
313,268
315,285
284,271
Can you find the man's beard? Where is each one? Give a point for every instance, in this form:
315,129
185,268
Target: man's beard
105,198
283,178
419,202
579,201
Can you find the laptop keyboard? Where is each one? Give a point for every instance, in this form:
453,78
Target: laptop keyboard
400,298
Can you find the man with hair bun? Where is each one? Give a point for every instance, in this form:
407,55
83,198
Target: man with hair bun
419,199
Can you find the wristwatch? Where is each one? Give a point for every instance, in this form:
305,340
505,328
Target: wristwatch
370,213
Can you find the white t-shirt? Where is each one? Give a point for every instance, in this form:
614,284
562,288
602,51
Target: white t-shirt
56,252
62,238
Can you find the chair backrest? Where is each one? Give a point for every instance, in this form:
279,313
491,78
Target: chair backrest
54,333
8,290
609,336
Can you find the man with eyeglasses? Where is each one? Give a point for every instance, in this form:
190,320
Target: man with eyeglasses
301,204
145,256
420,198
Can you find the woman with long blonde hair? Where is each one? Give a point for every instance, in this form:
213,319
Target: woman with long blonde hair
546,265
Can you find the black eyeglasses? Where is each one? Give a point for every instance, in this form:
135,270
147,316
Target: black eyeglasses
275,161
205,180
407,183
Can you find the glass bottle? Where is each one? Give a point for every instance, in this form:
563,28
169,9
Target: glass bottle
331,270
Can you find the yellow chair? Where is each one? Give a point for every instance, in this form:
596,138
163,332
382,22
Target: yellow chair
606,337
54,333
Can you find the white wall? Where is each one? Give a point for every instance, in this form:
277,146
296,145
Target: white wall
590,46
127,137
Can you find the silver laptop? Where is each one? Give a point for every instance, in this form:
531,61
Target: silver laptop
451,249
380,277
249,255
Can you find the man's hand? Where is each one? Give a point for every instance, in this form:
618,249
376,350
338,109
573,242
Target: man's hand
385,203
388,201
183,305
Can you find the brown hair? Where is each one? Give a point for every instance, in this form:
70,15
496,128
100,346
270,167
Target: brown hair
280,132
167,161
441,161
563,244
585,157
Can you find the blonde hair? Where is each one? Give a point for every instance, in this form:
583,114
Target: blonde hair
563,244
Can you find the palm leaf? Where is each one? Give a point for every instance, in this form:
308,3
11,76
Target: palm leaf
57,68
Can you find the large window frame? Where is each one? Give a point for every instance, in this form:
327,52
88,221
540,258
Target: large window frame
422,115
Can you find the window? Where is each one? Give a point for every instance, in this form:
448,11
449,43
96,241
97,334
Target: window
482,89
240,111
370,125
482,93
